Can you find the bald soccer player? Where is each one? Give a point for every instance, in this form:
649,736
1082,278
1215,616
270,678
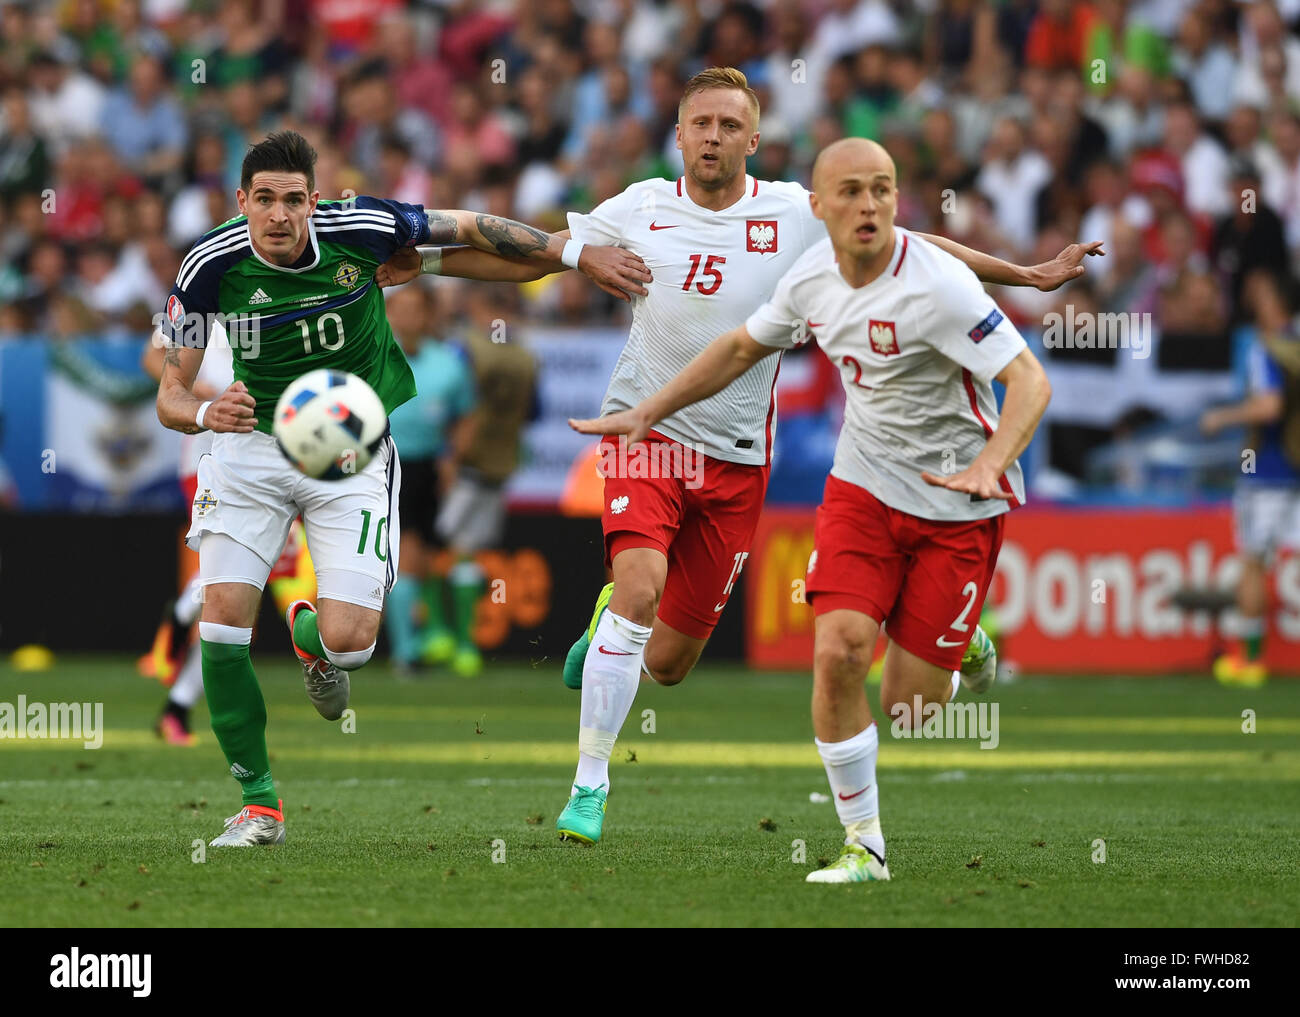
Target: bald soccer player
898,542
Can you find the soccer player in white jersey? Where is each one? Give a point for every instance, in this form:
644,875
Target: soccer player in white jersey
900,540
680,511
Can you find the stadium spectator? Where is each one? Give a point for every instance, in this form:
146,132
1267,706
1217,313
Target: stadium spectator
1206,64
1249,237
24,162
144,124
1057,35
1268,73
1202,160
67,104
1012,176
1281,175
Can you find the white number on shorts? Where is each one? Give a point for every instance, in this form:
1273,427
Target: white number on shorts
735,571
969,590
325,343
379,534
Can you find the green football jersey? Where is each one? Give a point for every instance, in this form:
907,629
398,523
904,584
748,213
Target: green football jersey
324,311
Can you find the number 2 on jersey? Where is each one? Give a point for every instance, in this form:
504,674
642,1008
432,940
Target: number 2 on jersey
324,342
709,270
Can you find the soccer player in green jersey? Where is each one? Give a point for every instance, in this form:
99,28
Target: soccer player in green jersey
292,280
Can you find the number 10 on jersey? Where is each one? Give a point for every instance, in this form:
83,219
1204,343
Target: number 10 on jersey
324,341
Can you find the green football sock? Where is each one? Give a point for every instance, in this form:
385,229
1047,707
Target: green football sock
466,588
436,614
238,714
1254,646
1252,637
305,635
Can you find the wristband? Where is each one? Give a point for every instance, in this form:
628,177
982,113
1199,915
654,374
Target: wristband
431,260
572,252
203,409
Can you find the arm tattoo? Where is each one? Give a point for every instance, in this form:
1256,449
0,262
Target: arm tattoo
172,358
512,239
442,227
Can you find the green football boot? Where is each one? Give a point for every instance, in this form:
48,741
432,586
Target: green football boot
854,865
577,654
583,817
979,664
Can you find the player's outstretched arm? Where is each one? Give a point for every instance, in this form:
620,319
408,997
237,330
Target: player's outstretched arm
1028,392
1048,276
613,269
713,369
179,408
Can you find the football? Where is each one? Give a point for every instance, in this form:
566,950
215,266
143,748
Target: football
329,423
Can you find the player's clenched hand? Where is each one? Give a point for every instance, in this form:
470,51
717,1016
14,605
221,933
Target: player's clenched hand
232,411
1065,266
615,271
975,479
402,267
634,423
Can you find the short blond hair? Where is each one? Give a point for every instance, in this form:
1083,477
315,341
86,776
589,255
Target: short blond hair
719,77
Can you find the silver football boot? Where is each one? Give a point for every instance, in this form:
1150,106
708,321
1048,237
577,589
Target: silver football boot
254,825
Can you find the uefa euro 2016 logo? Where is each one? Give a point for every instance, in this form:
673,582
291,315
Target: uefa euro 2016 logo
347,275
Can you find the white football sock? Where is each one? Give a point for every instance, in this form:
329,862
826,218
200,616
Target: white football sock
851,770
956,684
610,676
189,683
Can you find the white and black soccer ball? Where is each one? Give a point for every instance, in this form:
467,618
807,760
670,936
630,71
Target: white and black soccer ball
329,424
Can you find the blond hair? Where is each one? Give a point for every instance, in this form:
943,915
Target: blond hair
719,77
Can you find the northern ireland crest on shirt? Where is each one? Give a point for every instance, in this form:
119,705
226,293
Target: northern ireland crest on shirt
760,235
883,338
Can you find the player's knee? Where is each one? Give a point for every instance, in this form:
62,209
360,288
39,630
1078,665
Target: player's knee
843,656
670,672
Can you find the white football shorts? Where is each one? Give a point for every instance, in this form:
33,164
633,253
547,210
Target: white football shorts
1266,518
248,491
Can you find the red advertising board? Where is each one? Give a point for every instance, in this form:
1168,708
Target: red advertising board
1076,590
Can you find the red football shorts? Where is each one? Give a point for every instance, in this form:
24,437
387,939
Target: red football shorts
699,512
925,580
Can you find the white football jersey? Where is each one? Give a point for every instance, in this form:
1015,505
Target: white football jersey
711,269
218,372
916,349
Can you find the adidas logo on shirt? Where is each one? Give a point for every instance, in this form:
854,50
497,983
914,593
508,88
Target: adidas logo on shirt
259,297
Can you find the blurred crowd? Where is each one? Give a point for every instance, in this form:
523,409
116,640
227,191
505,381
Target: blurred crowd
1167,128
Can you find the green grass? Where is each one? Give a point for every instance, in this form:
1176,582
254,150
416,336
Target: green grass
395,824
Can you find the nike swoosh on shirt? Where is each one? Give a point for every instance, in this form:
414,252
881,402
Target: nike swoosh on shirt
816,324
943,642
845,798
612,653
672,227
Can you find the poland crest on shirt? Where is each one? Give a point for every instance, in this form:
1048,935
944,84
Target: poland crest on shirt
917,348
711,269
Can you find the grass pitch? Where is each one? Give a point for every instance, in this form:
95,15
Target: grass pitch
440,809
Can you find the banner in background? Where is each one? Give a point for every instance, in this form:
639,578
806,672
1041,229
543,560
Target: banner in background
1076,591
79,431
